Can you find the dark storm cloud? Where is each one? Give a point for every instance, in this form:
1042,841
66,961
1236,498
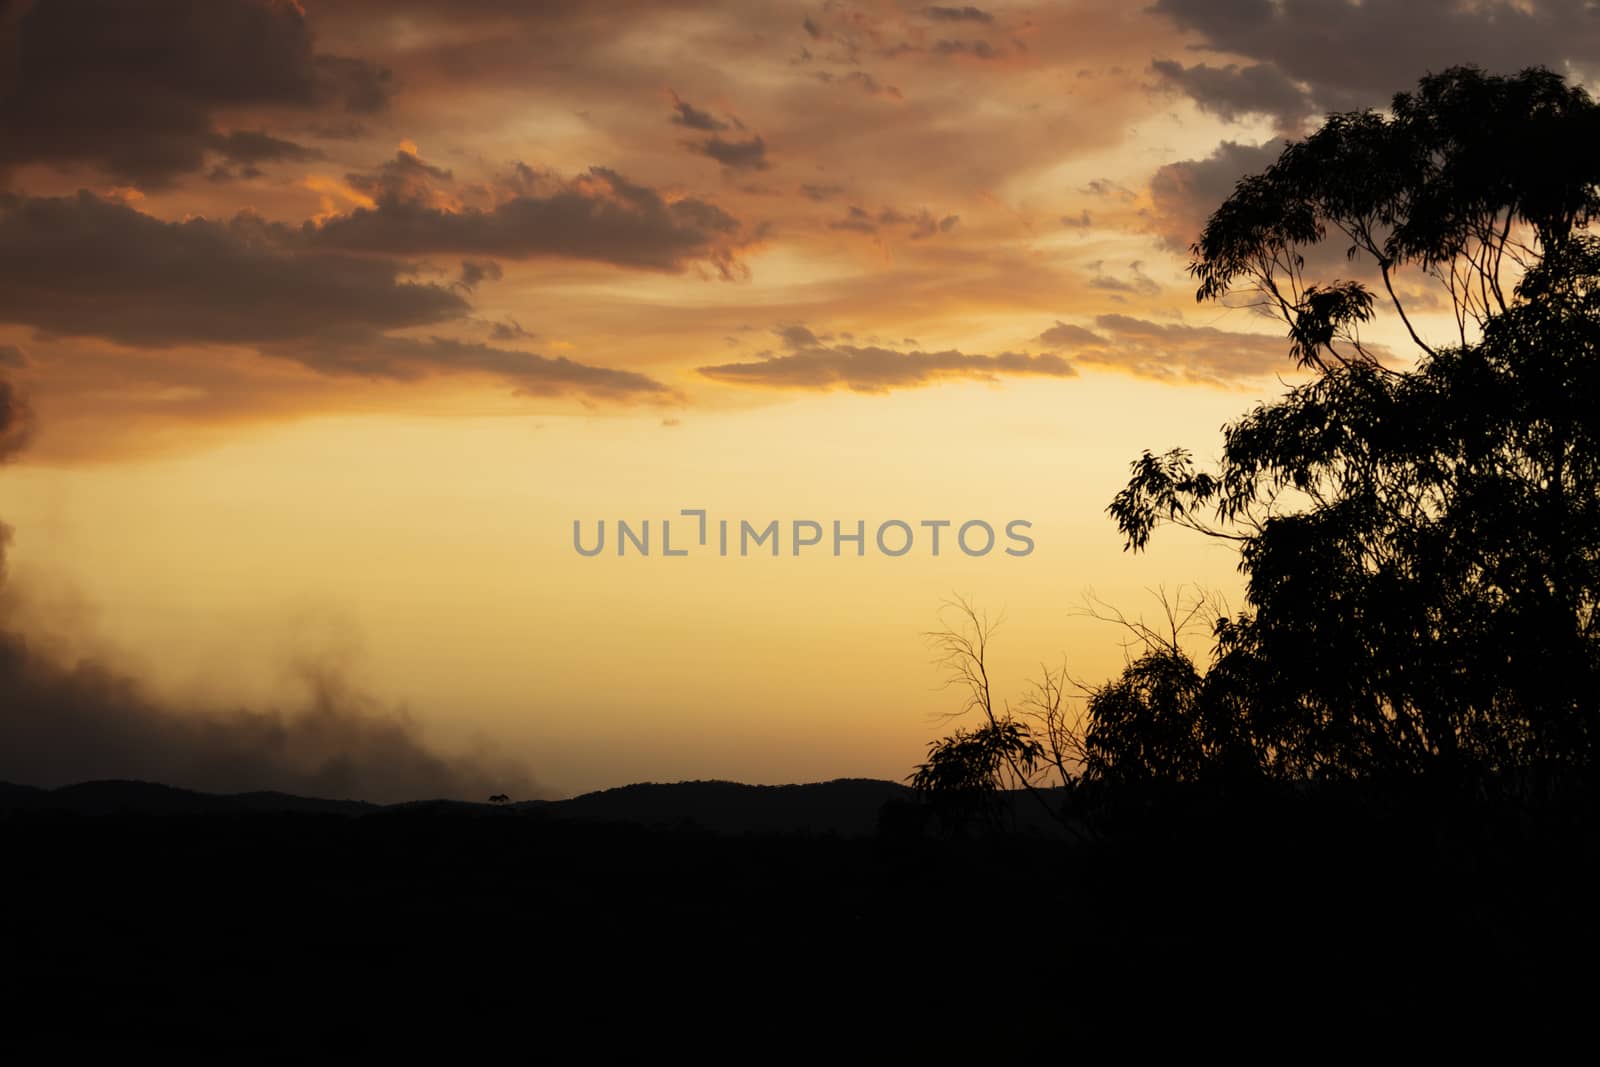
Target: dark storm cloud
401,179
409,359
1171,351
957,14
245,149
1063,335
1184,194
599,216
258,146
686,114
133,89
1359,55
83,266
810,364
475,272
735,155
1234,92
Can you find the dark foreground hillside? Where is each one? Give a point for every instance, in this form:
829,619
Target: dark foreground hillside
371,931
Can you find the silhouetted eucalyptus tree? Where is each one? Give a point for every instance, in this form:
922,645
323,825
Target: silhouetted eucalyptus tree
1421,547
968,775
1155,720
965,775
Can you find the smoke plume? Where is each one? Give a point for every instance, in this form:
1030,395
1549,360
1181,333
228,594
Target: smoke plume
63,722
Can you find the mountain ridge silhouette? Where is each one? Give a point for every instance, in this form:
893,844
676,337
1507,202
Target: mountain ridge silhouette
844,806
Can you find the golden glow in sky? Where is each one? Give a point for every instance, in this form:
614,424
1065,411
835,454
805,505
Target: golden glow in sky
333,323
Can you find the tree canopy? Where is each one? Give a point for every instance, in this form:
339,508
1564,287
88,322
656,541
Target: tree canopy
1419,532
1421,546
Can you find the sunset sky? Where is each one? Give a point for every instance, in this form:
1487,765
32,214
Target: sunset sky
331,318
